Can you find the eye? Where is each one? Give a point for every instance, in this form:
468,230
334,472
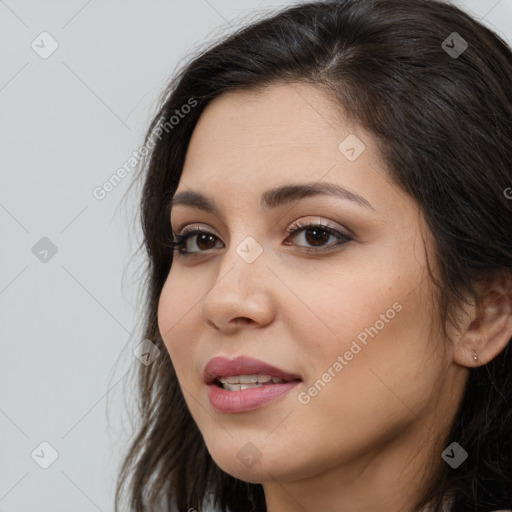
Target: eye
319,234
201,238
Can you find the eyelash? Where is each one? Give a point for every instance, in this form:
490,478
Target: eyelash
180,241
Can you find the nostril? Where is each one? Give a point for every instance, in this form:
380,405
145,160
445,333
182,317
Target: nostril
243,320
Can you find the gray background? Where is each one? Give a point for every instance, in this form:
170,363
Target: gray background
68,320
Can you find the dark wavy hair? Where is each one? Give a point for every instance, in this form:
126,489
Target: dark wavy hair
443,125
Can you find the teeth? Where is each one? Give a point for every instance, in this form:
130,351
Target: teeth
248,379
241,382
240,387
233,380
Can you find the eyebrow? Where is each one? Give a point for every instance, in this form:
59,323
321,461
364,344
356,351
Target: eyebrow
272,198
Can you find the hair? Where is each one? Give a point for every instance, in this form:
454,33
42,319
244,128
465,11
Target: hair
443,126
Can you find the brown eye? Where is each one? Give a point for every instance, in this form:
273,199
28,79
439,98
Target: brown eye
317,235
202,238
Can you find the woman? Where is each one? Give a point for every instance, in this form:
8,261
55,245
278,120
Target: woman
328,224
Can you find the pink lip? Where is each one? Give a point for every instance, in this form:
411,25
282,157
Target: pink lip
242,365
227,401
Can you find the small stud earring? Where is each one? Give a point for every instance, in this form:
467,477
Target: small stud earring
475,356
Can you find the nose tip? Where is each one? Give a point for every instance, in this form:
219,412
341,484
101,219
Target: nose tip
241,298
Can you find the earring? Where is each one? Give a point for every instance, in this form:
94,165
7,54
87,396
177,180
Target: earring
475,355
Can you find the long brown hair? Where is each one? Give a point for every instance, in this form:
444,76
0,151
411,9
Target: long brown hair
443,123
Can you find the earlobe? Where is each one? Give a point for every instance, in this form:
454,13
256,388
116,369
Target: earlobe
489,328
468,352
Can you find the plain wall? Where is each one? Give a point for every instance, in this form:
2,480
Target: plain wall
68,123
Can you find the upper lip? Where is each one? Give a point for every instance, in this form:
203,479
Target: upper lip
242,365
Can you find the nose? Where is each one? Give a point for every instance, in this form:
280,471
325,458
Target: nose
241,295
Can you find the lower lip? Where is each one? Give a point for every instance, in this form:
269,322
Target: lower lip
226,401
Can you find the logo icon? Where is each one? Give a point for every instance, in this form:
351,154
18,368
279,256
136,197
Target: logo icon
249,455
454,455
454,45
146,352
249,250
44,455
44,250
351,147
44,45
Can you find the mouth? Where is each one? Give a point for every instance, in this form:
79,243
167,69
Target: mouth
244,384
244,371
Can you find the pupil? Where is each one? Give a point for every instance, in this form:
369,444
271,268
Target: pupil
202,237
316,238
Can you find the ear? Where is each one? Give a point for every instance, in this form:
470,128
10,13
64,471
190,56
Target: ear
487,325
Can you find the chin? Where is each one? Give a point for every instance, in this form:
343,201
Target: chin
230,464
245,460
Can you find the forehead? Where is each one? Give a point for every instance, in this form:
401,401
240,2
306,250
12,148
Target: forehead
272,135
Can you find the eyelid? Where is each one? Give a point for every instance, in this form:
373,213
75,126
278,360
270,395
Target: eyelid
301,222
190,227
319,221
342,234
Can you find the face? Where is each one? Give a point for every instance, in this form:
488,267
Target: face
342,305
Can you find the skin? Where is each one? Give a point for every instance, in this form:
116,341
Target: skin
370,439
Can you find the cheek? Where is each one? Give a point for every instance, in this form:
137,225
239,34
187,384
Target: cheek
176,311
372,350
378,371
